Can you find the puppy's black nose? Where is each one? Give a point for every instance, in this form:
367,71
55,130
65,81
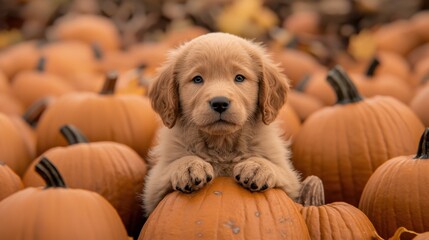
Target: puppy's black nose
219,104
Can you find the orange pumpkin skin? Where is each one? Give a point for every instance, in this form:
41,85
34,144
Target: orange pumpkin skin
420,106
289,121
303,104
30,86
89,29
56,212
14,148
396,194
225,210
21,56
10,182
344,144
111,169
127,119
10,105
337,221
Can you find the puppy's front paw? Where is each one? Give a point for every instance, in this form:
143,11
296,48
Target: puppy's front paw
254,174
191,174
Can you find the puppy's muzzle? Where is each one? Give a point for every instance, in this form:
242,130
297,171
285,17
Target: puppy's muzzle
219,104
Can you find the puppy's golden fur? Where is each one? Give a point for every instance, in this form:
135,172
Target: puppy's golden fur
200,143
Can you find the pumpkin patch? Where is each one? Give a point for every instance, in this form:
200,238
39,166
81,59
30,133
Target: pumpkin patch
77,126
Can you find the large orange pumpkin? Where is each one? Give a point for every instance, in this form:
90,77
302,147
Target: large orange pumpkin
397,195
420,104
10,182
344,144
111,169
225,210
350,222
127,119
57,212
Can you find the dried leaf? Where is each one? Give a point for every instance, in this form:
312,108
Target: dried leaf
362,46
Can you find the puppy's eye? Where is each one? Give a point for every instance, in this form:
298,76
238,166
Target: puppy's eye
197,79
239,78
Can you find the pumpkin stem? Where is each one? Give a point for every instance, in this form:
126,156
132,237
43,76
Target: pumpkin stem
41,64
35,111
312,192
423,150
370,72
343,86
72,134
109,83
47,170
97,51
302,84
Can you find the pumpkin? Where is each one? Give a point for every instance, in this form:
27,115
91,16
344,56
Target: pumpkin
303,104
225,210
176,37
289,121
343,144
127,119
296,64
111,169
67,58
58,212
419,104
4,84
14,148
10,182
18,57
350,222
421,72
420,24
396,194
303,23
87,28
10,105
30,86
390,37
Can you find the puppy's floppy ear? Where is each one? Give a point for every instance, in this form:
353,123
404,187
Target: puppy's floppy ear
164,92
273,88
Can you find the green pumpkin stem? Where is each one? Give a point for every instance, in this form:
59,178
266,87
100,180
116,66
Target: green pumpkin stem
109,83
41,64
370,72
343,86
35,111
49,173
312,192
72,134
423,150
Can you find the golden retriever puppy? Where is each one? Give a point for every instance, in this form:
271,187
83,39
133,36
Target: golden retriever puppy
218,95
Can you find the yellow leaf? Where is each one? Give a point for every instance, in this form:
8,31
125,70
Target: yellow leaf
362,46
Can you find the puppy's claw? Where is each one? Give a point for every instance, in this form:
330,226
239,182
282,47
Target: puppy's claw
246,181
188,188
264,187
209,178
197,181
237,177
253,186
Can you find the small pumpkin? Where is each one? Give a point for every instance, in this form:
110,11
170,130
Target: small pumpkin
127,119
14,148
396,194
10,182
350,222
58,212
225,210
10,105
87,28
303,104
419,104
18,57
30,86
289,121
403,233
343,144
111,169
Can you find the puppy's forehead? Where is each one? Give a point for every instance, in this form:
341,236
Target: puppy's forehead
219,47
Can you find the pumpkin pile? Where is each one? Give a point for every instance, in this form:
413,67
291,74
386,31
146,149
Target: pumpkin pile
77,126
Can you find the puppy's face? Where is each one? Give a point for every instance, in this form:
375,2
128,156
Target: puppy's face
217,83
